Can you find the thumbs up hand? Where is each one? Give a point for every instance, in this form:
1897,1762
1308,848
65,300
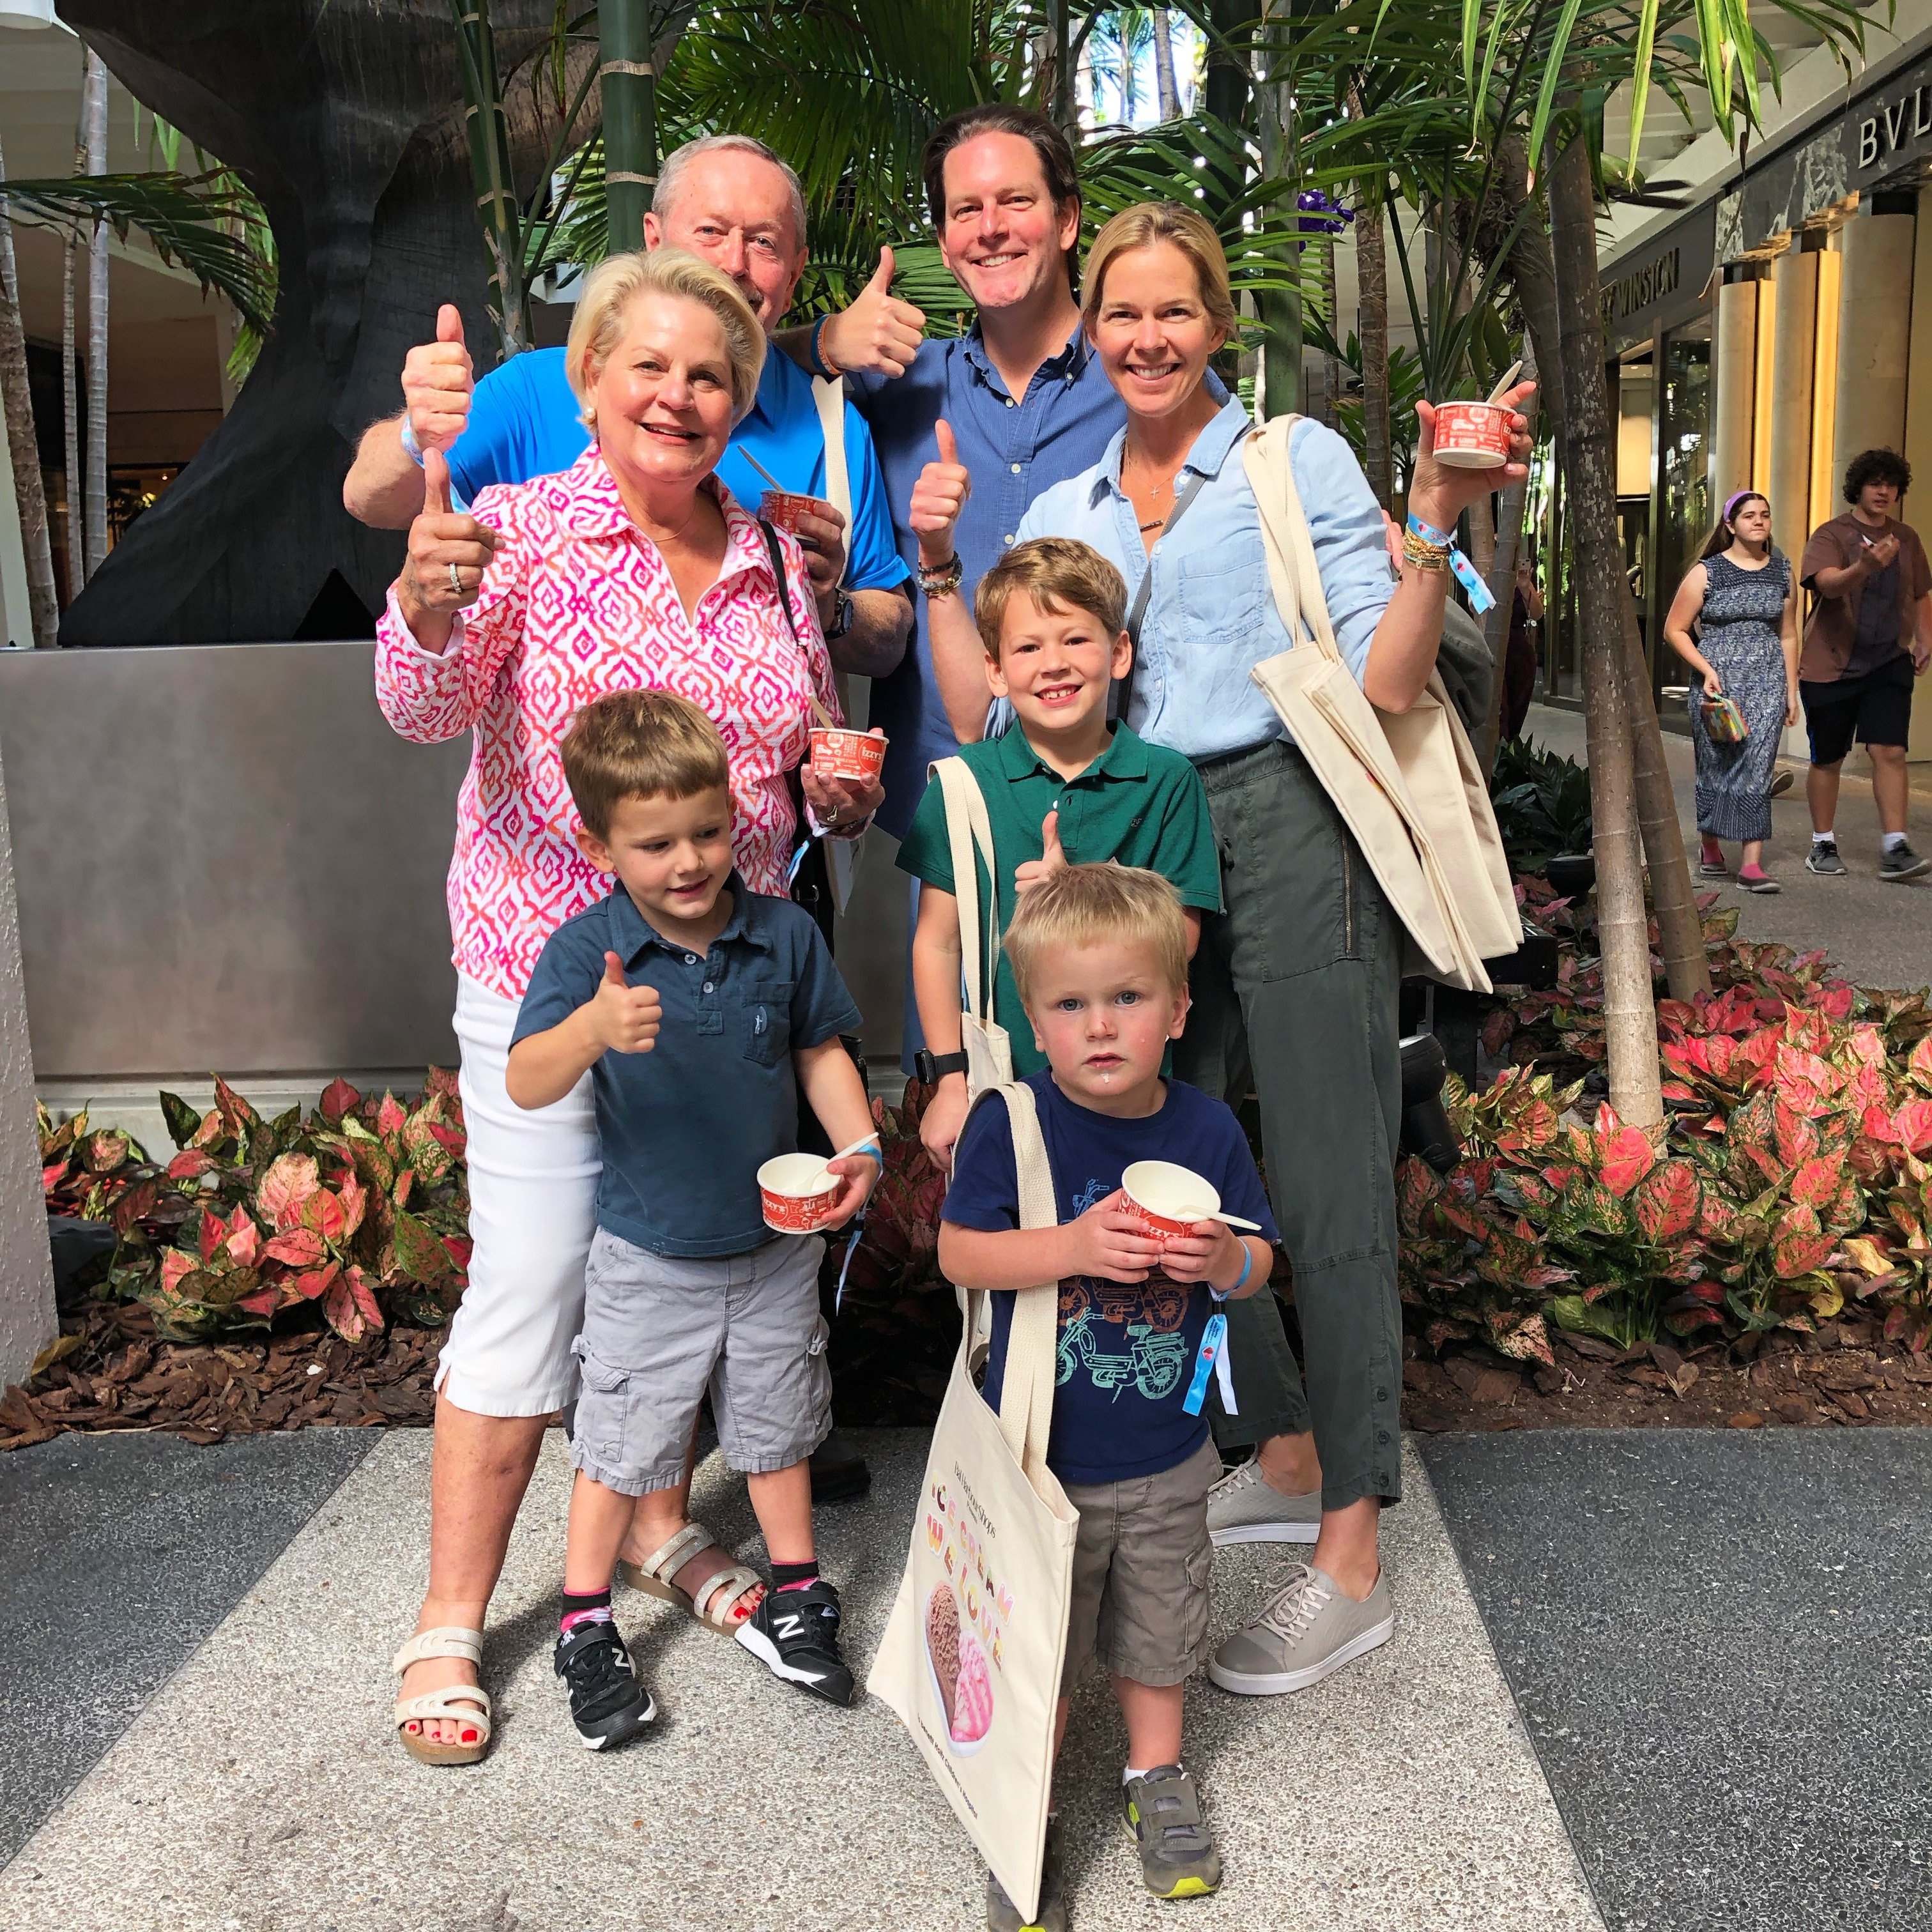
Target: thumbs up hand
878,332
438,380
624,1018
937,498
449,550
1053,860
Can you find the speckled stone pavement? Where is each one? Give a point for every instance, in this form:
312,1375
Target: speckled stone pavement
258,1788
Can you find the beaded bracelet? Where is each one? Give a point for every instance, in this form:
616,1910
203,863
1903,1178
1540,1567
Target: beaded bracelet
944,581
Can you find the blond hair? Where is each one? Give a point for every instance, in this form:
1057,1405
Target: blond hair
1089,905
1144,225
639,744
618,280
1058,573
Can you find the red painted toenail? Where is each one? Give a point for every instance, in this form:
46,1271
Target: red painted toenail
412,1728
469,1737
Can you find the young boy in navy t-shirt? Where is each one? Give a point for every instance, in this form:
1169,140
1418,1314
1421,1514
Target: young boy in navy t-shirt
1099,953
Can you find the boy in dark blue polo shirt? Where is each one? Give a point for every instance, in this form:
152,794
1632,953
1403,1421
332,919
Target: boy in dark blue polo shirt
690,1002
1100,954
1062,786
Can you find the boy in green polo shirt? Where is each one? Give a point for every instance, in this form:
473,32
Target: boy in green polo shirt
1063,787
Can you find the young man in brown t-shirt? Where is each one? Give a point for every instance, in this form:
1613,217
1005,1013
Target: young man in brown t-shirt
1869,636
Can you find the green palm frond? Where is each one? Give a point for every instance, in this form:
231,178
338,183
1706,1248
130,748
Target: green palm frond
204,223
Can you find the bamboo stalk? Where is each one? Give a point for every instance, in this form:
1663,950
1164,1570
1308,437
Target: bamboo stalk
29,490
94,123
1630,1013
77,562
627,76
497,204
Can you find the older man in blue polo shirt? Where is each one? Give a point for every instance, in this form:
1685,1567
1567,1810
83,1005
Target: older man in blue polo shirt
730,199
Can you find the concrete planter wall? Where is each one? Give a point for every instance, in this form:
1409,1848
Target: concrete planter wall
228,862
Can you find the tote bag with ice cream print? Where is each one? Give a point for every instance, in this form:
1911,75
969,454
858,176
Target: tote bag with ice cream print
971,1657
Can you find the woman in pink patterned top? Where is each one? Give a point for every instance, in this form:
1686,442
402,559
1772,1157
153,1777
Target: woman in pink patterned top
634,569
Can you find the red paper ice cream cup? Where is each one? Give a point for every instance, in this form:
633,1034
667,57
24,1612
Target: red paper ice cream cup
784,507
857,757
1472,436
1168,1200
797,1194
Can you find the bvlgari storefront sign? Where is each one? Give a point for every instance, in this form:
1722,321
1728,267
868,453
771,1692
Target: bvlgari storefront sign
1895,124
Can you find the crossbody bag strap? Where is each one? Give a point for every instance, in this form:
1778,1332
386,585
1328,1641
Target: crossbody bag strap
968,829
1293,567
1137,614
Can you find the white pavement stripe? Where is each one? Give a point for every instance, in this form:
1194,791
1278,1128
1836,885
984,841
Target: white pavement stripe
262,1791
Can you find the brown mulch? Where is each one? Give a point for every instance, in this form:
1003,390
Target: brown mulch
116,1373
1845,1376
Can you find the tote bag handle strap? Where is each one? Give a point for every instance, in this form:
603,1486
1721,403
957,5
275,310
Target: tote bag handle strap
1033,1339
968,827
1293,569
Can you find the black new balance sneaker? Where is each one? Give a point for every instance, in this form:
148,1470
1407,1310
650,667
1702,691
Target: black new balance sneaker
796,1633
608,1702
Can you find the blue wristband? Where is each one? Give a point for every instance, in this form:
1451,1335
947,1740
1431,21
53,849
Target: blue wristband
1465,572
1429,534
1235,1286
413,449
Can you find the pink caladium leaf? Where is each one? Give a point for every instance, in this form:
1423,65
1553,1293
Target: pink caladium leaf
390,1118
317,1281
191,1164
322,1211
292,1180
338,1098
299,1248
213,1232
243,1240
1628,1157
1913,1122
1801,1246
354,1198
176,1267
1666,1200
343,1311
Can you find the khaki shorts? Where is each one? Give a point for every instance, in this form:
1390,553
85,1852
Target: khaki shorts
658,1331
1140,1573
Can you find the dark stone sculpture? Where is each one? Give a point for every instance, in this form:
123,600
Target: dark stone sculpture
345,117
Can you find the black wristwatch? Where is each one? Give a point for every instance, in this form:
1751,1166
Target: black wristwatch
931,1068
842,617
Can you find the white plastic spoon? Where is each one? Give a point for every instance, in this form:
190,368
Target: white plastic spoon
1510,375
842,1153
1215,1214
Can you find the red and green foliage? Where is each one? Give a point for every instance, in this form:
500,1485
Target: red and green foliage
362,1208
1794,1176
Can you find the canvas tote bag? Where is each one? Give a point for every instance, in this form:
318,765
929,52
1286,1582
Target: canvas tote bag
1408,784
989,1054
972,1655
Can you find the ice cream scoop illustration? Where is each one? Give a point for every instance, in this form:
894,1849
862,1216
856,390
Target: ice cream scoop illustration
959,1673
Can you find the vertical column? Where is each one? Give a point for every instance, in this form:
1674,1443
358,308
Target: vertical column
28,1322
1734,345
1794,281
1918,428
1825,384
1874,327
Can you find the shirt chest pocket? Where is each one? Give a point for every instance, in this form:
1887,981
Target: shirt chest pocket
1221,590
765,1021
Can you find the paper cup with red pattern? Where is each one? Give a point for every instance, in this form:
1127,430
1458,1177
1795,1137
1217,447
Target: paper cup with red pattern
1167,1199
855,757
1472,436
797,1194
784,507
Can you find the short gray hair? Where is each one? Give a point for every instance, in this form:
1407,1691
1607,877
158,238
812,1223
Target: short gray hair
670,174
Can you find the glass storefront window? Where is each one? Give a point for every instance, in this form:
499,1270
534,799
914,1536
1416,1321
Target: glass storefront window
1684,505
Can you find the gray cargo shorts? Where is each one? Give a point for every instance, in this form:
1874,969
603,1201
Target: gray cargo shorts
658,1331
1140,1564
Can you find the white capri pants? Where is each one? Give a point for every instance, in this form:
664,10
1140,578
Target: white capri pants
533,1211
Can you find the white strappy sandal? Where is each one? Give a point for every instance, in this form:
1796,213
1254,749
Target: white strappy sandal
712,1602
457,1701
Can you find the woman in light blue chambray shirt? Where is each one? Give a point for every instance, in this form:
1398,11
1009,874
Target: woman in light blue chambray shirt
1295,987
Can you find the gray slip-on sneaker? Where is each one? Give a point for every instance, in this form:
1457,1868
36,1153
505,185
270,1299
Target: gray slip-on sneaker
1309,1629
1902,862
1244,1507
1824,859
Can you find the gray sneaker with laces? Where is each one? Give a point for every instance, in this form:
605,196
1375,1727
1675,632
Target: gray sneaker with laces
1824,858
1244,1507
1178,1858
1900,862
1308,1630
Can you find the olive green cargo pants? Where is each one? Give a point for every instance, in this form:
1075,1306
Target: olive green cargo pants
1294,991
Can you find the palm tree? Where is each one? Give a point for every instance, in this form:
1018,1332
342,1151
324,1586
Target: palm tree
23,448
1165,90
1119,40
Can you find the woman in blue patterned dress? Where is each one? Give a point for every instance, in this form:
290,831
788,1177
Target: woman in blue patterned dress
1740,595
